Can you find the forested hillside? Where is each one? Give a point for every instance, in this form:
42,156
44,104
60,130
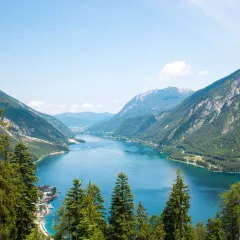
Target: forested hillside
204,129
42,133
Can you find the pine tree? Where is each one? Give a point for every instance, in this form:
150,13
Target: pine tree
94,193
175,216
142,229
121,217
11,189
92,223
74,208
214,229
62,228
4,146
231,212
26,209
200,231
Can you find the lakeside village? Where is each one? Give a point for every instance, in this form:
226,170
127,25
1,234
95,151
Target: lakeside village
47,195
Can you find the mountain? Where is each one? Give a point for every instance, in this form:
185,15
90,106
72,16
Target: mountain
83,119
42,133
151,102
136,126
204,129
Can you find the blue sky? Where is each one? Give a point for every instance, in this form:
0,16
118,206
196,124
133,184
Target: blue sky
91,55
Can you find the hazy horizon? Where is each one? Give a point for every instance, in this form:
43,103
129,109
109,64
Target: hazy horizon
95,56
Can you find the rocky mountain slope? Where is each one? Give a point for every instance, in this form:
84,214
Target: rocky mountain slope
43,133
151,102
204,129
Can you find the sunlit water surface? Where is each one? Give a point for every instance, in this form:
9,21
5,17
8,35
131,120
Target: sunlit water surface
150,175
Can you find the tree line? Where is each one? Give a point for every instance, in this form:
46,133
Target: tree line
18,191
83,215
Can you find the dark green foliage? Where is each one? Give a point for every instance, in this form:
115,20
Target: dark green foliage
134,127
82,214
121,219
74,201
53,191
94,195
26,210
200,231
156,228
175,216
10,192
70,213
214,229
4,146
92,224
142,228
231,212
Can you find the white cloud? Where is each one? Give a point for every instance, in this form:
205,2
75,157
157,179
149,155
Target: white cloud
36,103
203,73
84,106
175,69
87,106
52,108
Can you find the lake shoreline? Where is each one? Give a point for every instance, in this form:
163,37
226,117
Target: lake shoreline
167,154
50,154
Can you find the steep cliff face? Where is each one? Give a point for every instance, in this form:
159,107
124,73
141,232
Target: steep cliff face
207,123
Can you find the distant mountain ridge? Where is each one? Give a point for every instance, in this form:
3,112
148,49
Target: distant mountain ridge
44,134
204,129
83,119
151,102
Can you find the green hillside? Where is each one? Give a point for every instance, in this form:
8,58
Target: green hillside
42,133
204,129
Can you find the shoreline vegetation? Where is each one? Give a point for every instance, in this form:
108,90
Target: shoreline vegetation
190,159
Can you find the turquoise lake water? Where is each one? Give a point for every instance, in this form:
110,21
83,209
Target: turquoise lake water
150,175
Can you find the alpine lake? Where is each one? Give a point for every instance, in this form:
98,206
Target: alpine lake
151,176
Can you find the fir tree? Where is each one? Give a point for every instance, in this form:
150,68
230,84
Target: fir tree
175,216
11,189
94,193
200,231
142,229
74,205
231,212
214,229
62,228
121,217
4,146
26,209
92,223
